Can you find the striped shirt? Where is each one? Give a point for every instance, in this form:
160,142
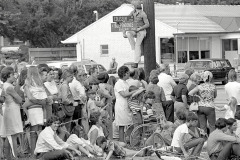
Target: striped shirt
134,105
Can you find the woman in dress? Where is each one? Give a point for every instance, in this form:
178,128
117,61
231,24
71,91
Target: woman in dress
206,110
123,114
12,121
159,96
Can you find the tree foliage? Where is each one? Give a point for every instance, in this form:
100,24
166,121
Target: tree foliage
44,23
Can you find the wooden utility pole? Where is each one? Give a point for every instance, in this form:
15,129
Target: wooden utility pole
149,49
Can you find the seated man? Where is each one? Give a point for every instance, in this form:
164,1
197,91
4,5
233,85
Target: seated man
113,66
218,150
50,146
178,143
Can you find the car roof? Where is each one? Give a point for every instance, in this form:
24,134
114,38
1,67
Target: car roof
85,62
129,63
210,59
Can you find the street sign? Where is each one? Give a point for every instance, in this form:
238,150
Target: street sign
123,19
127,26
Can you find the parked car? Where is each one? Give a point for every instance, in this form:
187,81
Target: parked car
87,64
59,64
218,67
130,65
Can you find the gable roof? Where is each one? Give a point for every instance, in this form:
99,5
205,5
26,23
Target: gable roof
75,38
185,18
188,18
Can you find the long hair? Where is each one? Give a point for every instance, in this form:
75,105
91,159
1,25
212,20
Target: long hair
33,77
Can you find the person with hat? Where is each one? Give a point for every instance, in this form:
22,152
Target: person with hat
113,66
206,107
140,18
180,93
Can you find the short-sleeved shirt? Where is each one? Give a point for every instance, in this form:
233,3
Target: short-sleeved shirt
206,92
158,91
182,129
138,17
178,91
167,83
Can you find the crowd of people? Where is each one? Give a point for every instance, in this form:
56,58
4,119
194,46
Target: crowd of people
53,113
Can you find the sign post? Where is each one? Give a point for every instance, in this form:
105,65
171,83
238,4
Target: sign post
123,23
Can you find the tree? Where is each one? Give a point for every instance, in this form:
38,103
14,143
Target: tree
46,22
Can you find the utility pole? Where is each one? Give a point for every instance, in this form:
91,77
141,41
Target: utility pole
149,49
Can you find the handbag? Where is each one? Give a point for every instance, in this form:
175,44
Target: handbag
193,106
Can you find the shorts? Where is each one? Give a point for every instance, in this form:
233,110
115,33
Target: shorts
35,115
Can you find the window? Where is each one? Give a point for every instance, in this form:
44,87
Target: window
217,64
225,63
104,49
167,50
230,44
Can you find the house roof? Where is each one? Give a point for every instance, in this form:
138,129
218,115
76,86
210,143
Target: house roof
185,18
188,18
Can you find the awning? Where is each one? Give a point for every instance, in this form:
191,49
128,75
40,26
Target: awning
9,49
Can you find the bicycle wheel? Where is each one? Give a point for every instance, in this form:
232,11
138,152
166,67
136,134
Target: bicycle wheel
158,141
127,133
140,134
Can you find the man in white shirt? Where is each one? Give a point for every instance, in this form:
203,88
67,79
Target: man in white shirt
50,146
78,91
167,83
178,137
232,88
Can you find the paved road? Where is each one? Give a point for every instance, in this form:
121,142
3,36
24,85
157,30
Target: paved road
221,99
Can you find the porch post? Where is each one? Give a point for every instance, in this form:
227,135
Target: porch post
238,46
79,51
176,49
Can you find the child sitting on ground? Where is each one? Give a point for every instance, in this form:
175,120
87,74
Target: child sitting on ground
92,107
178,143
180,119
230,108
111,148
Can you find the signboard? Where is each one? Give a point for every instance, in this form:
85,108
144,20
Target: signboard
123,19
128,26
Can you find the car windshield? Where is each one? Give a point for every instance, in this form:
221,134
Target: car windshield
225,63
199,64
101,68
89,66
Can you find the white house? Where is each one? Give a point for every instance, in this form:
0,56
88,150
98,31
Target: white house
183,32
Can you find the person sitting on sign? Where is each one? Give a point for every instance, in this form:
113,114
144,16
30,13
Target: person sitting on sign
141,19
113,66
